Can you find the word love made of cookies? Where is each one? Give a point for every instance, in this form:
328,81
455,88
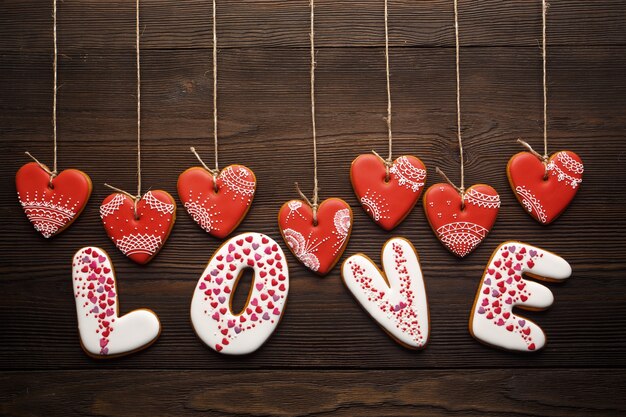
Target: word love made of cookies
393,295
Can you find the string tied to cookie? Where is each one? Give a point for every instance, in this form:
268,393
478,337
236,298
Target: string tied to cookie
215,172
543,158
460,190
313,203
53,173
135,198
388,162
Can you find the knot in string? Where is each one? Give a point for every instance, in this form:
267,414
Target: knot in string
135,198
215,172
543,158
388,163
313,204
460,190
53,173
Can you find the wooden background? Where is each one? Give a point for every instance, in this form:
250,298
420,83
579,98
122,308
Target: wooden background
327,356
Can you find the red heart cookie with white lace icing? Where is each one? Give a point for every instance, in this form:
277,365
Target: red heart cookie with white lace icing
220,211
461,228
545,198
140,238
320,246
387,202
52,207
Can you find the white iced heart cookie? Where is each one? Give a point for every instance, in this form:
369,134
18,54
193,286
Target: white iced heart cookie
396,298
211,313
103,333
504,287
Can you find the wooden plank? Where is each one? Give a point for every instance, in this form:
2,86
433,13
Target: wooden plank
503,393
87,25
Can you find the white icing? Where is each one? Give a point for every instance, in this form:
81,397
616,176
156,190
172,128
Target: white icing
212,318
97,309
397,299
503,287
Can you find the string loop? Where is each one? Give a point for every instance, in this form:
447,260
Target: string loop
135,198
214,172
52,173
461,189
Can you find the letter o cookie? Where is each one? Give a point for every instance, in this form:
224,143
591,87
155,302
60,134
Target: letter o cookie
211,312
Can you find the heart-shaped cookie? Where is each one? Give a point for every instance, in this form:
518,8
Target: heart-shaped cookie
320,246
460,227
217,209
142,237
103,333
545,198
396,298
387,202
52,207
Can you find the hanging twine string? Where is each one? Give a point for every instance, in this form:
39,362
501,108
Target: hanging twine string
545,157
314,201
389,160
215,172
54,171
460,189
136,197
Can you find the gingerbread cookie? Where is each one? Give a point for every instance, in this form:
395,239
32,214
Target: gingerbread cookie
387,200
103,333
503,287
396,298
52,205
217,206
545,191
461,225
141,237
318,246
211,307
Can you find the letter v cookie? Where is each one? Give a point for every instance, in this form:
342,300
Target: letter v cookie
503,287
103,333
396,298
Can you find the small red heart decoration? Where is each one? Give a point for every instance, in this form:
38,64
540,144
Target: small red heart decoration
51,208
387,202
219,213
461,229
139,238
545,198
320,246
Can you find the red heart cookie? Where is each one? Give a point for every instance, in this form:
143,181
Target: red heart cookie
320,246
461,229
387,202
545,198
142,237
218,212
52,207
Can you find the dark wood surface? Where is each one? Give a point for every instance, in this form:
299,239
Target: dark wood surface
327,356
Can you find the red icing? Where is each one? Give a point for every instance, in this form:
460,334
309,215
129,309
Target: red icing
219,213
51,210
545,199
317,247
139,239
461,230
387,202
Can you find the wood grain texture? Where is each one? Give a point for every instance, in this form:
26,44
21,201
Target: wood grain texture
502,393
327,354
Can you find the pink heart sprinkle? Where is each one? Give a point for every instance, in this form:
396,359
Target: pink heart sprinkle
259,286
276,312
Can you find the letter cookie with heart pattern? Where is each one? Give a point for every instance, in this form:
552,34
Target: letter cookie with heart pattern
387,201
318,246
212,316
103,333
142,237
52,205
503,287
545,191
396,298
218,207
